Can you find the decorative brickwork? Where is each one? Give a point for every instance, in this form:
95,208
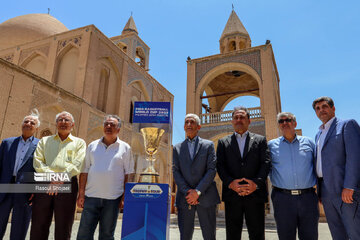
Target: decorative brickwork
41,98
212,131
251,58
63,43
135,75
126,135
9,57
27,52
95,120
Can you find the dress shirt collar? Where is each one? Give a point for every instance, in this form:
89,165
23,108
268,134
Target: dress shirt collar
327,125
283,139
192,140
117,141
244,135
30,139
69,137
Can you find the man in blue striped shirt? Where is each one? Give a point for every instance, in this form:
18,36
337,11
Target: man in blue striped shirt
293,179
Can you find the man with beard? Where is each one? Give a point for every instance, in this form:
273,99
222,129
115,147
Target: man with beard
338,170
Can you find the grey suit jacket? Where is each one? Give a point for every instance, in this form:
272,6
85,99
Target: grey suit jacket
197,173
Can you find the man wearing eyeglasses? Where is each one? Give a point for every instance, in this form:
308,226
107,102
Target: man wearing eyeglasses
108,166
293,178
60,153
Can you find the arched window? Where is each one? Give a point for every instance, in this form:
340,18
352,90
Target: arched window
140,57
122,46
242,45
45,132
232,46
67,68
103,86
36,65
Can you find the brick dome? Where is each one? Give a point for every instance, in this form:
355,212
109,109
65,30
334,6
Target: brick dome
28,28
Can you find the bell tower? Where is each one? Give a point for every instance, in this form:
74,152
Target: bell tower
239,70
130,42
234,37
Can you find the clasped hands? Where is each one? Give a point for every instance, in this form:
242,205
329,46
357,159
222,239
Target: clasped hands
243,189
192,197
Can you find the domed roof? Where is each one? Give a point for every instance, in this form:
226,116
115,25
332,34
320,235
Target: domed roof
28,28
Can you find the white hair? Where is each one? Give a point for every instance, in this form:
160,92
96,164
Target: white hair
67,113
34,114
194,116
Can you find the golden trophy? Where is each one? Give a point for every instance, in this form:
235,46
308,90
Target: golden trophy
152,137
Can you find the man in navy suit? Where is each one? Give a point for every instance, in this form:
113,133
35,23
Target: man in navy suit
16,158
243,163
194,169
338,170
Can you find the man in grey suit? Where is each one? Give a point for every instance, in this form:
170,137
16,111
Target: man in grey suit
194,169
338,170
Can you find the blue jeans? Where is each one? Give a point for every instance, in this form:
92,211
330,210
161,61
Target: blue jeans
98,210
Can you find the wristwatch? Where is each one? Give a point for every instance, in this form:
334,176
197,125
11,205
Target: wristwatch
198,192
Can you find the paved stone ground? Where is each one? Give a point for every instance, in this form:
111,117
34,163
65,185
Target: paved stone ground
270,231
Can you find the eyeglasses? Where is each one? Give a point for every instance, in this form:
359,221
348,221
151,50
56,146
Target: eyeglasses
63,119
112,125
288,120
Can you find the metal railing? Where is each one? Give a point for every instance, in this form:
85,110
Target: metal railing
219,117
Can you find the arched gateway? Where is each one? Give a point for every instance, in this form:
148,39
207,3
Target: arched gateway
239,70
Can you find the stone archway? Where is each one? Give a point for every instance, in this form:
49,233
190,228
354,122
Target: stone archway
222,69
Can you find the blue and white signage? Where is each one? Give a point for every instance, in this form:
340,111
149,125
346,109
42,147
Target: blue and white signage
146,191
151,112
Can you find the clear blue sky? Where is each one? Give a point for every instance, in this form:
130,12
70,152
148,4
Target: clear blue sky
316,43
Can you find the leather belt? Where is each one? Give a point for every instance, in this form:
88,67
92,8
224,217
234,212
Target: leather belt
295,191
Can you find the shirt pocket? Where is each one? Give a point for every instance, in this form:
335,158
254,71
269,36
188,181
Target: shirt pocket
70,155
305,149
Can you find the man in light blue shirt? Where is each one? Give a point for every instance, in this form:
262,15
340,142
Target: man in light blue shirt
293,179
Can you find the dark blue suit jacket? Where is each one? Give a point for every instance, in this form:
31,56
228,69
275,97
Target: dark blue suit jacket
8,150
340,158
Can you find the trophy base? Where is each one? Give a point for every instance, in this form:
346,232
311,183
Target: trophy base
149,178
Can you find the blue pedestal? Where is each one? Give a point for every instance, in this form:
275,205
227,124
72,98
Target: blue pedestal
146,211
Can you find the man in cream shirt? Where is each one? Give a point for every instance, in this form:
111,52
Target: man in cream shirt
58,153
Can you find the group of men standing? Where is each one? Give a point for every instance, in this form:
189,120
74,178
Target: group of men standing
296,164
243,161
104,167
